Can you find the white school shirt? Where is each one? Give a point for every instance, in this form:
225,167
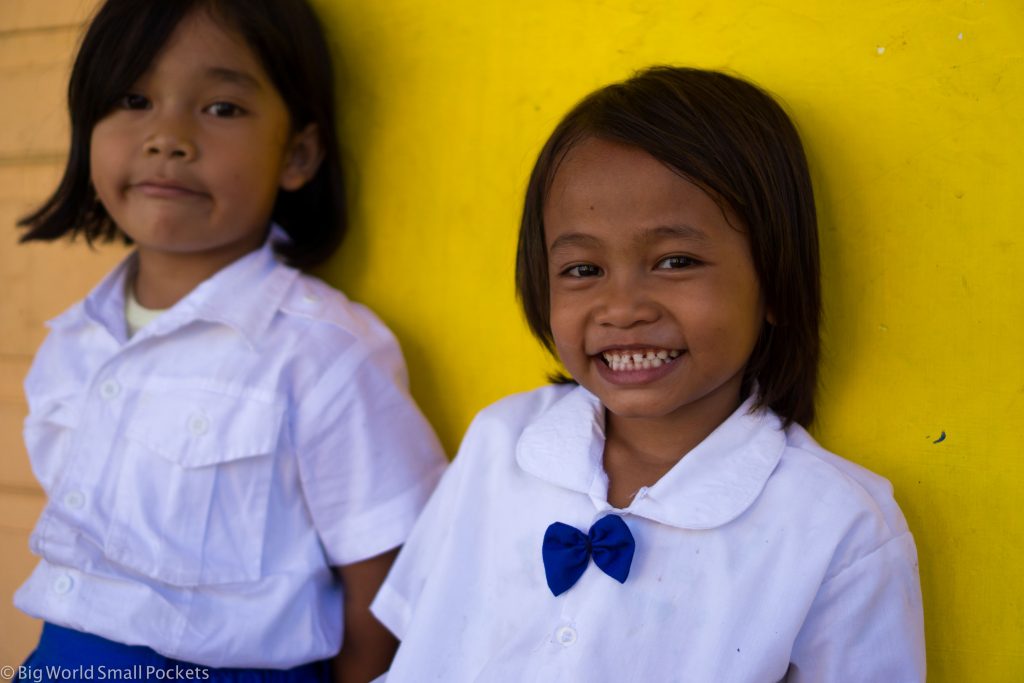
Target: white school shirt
758,556
204,475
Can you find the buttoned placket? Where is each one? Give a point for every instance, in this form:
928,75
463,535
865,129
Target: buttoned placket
90,446
99,419
565,632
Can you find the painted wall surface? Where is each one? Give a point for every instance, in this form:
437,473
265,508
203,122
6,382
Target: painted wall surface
911,112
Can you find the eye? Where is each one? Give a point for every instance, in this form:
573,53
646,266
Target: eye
676,262
225,110
133,101
582,270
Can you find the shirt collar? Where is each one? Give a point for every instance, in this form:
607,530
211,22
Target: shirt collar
712,485
244,295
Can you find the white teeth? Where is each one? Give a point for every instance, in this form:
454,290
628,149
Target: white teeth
644,360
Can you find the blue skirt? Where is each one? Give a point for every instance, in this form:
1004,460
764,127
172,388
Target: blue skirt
64,654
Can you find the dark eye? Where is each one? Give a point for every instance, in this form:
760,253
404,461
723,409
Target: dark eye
582,270
225,110
133,101
677,262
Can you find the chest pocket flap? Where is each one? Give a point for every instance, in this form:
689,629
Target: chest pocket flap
201,428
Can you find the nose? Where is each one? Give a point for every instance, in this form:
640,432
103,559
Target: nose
170,139
626,303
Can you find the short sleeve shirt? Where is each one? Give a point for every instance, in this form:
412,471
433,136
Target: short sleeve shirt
759,557
205,475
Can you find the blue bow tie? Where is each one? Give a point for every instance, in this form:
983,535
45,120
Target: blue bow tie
567,551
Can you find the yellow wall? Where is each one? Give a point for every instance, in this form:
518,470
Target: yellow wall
911,112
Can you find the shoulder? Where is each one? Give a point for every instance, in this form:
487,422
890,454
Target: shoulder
839,507
492,437
67,326
70,319
512,414
484,471
324,316
843,483
315,303
327,345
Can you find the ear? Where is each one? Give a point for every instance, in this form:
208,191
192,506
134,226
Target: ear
302,159
769,316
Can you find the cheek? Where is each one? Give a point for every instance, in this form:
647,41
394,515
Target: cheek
253,173
723,321
100,176
563,329
106,154
563,310
559,331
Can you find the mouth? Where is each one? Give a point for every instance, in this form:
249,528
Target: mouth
631,360
164,189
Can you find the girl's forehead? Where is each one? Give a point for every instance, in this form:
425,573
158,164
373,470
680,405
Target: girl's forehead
592,154
202,39
624,193
598,174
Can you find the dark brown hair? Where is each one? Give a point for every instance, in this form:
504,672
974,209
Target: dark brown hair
732,139
121,43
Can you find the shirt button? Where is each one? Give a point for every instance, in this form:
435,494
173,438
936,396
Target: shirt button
74,500
198,424
63,584
566,636
311,298
110,389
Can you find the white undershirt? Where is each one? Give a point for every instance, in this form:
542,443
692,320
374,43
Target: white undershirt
136,315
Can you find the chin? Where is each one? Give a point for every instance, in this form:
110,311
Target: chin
636,409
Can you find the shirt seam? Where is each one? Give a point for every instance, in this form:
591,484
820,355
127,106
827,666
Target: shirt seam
865,556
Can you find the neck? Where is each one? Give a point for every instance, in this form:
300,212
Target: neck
640,450
162,279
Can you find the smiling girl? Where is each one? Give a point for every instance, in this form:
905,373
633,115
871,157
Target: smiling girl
668,254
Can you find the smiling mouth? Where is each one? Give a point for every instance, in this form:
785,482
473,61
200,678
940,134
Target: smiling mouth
627,360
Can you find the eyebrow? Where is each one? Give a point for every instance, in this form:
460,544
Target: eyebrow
682,231
661,232
573,239
220,73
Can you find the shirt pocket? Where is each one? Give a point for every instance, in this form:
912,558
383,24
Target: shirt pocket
193,484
